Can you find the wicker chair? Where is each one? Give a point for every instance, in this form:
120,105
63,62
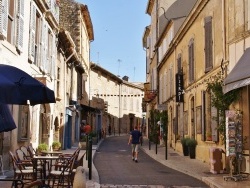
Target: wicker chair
61,172
20,170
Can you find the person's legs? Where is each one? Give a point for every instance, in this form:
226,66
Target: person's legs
133,151
136,152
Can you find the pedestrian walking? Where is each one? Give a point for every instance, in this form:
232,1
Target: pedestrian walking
134,139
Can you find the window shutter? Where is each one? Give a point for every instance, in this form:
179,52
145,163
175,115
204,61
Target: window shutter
208,43
32,32
43,46
4,17
203,116
191,60
214,115
20,24
53,58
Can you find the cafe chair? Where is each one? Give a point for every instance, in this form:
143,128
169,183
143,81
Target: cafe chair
61,172
27,162
22,158
31,150
26,152
20,172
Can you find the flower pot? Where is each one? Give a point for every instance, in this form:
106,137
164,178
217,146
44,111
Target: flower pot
185,150
192,152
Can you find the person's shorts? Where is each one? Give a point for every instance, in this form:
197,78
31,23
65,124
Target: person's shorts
135,147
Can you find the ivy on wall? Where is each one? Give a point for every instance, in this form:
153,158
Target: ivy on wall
155,117
221,101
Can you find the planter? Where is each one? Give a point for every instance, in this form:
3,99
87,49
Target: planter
185,150
185,146
192,152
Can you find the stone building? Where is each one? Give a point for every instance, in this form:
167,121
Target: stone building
192,51
28,31
115,101
75,21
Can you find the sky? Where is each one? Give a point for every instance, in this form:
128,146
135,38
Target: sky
118,30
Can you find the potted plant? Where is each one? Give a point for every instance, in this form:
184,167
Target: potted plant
184,146
208,136
42,147
191,143
56,145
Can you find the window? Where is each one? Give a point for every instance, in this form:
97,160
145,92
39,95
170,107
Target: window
209,115
208,44
12,22
191,60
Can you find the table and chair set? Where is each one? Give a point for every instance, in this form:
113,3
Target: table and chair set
49,169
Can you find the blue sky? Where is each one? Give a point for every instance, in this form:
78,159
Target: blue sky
118,30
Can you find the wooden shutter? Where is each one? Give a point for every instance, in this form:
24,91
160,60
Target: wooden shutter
208,44
20,25
214,123
203,115
53,57
32,32
191,60
4,17
179,63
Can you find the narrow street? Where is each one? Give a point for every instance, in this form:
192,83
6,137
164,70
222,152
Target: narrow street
115,167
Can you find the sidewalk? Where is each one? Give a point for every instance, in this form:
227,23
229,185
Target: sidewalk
192,167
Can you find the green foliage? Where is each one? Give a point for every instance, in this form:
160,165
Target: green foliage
56,144
43,147
155,117
221,101
184,141
191,142
92,134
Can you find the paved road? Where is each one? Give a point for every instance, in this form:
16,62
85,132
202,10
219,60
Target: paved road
115,167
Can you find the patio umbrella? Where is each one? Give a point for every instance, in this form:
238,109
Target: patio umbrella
6,120
17,87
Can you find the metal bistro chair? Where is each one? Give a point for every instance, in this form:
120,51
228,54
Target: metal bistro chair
27,162
26,152
61,174
20,172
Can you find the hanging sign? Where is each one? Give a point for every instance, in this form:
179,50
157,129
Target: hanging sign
179,87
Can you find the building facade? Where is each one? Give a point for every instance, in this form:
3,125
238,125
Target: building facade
193,51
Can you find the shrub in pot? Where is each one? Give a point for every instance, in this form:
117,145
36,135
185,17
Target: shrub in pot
42,147
184,146
56,145
191,143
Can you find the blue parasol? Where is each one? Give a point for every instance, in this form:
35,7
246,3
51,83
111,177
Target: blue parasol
6,120
17,87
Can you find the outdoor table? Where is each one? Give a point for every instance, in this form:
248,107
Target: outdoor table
51,153
45,159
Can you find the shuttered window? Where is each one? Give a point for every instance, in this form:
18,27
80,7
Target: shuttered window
4,17
179,66
20,25
208,44
191,60
32,38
